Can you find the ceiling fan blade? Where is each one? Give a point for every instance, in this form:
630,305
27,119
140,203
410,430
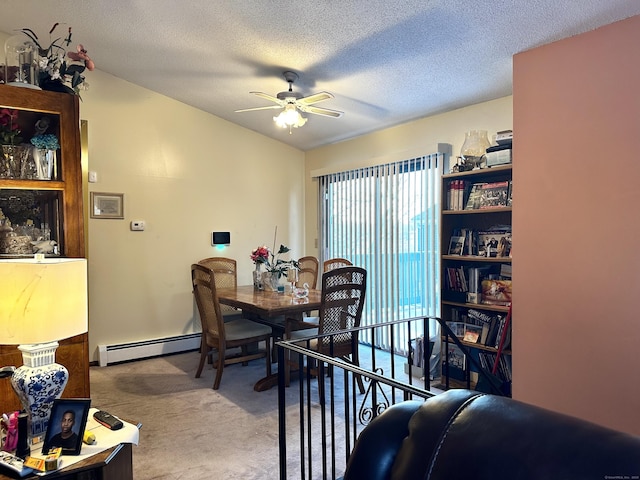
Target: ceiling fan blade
321,111
270,107
266,96
315,98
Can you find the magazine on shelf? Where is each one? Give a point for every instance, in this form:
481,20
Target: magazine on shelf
456,362
473,202
472,333
494,195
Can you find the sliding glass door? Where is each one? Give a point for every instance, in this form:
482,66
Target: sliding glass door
386,219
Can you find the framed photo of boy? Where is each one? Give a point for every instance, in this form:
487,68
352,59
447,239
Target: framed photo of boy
66,425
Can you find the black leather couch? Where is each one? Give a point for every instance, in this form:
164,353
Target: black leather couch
468,435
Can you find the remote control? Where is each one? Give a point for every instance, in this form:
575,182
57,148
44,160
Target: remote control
107,420
14,463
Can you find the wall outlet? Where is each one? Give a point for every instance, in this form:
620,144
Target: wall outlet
137,225
93,177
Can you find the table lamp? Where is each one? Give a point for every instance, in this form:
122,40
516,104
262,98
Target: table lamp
41,301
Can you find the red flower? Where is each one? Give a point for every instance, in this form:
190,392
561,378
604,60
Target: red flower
260,255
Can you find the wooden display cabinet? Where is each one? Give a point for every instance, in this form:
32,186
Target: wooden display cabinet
59,202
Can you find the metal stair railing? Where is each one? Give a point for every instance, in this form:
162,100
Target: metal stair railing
327,416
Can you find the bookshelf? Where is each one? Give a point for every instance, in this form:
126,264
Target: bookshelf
484,263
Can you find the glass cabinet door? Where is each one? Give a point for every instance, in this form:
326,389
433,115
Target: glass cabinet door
40,174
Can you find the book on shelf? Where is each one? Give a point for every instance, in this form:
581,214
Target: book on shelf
472,333
491,324
456,245
456,194
456,362
501,156
473,201
510,194
494,195
476,275
496,292
457,328
505,271
456,279
487,361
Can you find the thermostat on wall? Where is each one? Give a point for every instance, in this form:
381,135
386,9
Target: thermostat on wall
137,225
220,238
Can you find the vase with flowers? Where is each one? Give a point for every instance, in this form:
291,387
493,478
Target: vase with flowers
55,72
10,139
276,268
44,154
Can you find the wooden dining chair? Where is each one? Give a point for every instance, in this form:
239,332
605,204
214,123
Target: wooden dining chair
220,335
307,272
335,263
224,271
343,293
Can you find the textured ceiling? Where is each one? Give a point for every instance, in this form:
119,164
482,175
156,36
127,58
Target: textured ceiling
386,62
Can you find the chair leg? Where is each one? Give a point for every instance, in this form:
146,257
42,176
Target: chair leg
220,368
245,351
203,356
267,354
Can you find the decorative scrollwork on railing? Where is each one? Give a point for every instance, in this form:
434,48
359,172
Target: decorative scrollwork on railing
368,413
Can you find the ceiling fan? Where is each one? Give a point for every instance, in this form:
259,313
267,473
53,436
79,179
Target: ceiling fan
291,102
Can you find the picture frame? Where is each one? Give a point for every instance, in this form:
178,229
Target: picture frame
456,245
107,205
73,412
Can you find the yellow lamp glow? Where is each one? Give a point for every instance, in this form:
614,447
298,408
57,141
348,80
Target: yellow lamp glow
41,302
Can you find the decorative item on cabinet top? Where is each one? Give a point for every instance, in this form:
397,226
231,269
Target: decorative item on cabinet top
474,148
54,70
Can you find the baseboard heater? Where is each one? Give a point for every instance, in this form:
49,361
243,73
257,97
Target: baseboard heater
108,354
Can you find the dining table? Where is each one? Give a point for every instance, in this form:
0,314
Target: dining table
269,308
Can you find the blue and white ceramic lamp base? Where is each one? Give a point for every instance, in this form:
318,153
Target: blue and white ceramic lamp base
38,382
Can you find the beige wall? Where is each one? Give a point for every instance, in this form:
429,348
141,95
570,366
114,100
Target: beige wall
576,120
186,173
420,137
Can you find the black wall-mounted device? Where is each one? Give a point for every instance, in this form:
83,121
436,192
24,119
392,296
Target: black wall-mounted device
220,238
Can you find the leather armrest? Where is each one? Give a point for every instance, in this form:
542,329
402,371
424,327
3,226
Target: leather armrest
378,444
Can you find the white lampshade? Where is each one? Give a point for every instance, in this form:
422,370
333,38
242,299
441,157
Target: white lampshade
42,301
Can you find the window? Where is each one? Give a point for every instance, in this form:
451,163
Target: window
386,219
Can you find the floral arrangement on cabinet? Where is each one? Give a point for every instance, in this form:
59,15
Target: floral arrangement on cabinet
55,73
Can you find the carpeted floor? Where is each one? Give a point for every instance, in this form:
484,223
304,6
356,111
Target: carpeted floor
189,430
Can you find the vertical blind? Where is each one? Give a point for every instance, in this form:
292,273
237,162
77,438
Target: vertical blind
385,219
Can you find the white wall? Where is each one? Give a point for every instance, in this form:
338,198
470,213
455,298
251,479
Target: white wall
186,173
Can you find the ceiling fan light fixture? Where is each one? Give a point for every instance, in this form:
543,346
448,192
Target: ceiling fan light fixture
290,118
